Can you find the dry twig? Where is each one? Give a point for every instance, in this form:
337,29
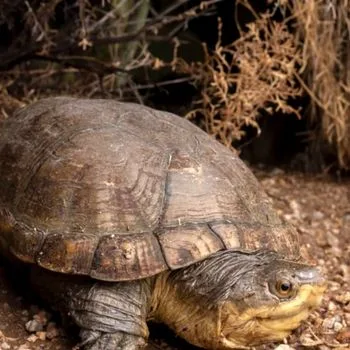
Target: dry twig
236,81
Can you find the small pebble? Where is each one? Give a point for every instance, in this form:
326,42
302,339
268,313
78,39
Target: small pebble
317,215
32,338
41,335
346,217
5,346
33,326
343,298
333,241
283,347
347,318
307,340
332,306
338,318
23,347
276,172
328,323
344,336
42,317
295,206
337,326
51,331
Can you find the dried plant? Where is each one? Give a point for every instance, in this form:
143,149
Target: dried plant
323,28
236,81
84,47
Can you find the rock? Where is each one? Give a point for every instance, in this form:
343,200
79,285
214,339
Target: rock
307,340
5,346
33,326
32,338
328,323
333,241
323,347
335,323
338,318
25,313
52,331
42,317
344,336
283,347
343,298
295,206
321,239
337,326
346,216
276,172
23,347
41,335
317,215
332,306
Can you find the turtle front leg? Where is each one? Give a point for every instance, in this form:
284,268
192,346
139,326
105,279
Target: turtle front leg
111,315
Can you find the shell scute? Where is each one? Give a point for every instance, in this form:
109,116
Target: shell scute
67,253
184,244
118,257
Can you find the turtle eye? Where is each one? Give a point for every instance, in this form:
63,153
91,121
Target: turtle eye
284,288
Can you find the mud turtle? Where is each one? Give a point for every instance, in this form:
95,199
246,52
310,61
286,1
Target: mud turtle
128,214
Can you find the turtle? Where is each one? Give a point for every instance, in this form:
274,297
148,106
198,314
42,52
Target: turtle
125,214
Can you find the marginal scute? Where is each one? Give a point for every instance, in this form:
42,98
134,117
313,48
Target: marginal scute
68,253
280,238
21,240
228,233
127,257
7,221
182,245
25,242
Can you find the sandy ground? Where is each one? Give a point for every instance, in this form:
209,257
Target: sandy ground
318,206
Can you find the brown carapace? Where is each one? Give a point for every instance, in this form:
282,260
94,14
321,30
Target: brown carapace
119,192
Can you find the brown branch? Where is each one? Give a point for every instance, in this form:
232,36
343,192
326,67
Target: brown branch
86,63
160,84
146,32
44,50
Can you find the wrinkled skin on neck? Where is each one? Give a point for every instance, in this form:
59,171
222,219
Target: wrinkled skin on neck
232,299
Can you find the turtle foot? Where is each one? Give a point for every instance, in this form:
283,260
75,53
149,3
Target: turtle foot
94,340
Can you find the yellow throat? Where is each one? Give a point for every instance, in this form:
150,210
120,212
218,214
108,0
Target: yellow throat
228,325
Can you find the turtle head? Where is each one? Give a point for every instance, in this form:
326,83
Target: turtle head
234,299
269,301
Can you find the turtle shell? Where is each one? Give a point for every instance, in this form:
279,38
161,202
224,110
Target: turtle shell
119,191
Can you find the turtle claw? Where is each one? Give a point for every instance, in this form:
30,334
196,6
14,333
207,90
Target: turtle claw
94,340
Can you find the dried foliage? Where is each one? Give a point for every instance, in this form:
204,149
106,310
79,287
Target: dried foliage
324,33
97,47
237,81
84,47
